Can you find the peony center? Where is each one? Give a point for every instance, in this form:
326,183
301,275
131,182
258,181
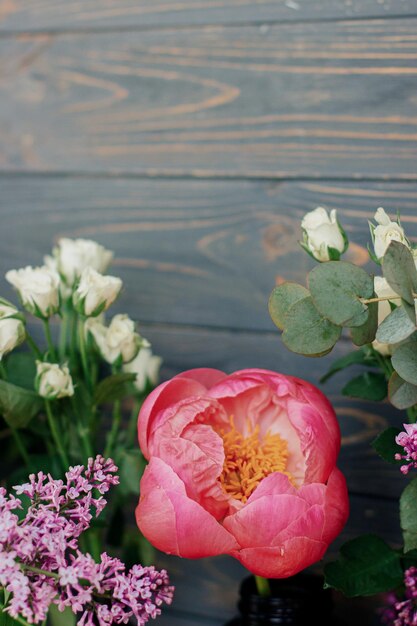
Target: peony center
249,459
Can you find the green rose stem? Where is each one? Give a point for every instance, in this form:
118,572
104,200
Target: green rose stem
32,345
83,353
133,422
48,337
63,334
16,435
117,420
262,586
55,435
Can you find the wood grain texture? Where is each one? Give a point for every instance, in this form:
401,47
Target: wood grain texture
36,15
294,100
204,253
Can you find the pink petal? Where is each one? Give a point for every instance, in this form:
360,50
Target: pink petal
166,394
336,506
206,376
282,561
173,522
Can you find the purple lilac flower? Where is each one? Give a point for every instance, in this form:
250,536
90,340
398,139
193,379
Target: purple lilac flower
403,612
40,561
408,440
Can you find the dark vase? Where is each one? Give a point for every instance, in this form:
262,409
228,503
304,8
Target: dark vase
296,601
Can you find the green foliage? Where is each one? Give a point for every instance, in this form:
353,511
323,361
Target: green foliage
307,332
281,300
368,386
131,466
113,387
61,618
404,361
364,334
21,369
401,394
367,565
385,445
358,357
400,272
396,327
408,515
337,288
18,405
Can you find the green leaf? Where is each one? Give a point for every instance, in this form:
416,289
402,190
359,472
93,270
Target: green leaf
307,332
404,361
336,288
368,386
6,620
410,309
396,327
399,270
386,446
21,369
408,515
358,357
113,387
131,467
61,618
367,565
401,394
364,334
282,298
17,405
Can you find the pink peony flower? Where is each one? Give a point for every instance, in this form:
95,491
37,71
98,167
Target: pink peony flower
242,465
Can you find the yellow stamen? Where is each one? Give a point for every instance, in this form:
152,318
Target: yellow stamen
250,459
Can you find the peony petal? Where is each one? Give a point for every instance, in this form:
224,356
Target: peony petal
336,506
197,458
206,376
282,561
173,522
166,394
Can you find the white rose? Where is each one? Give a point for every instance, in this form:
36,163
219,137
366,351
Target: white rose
321,231
95,292
75,255
385,232
12,333
38,288
383,290
146,366
53,380
119,339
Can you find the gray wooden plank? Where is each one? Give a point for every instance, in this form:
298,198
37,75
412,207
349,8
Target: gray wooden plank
203,253
289,100
35,15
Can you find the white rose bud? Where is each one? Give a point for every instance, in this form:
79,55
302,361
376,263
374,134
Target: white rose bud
12,329
146,366
383,290
38,288
95,292
323,237
118,340
75,255
53,381
385,232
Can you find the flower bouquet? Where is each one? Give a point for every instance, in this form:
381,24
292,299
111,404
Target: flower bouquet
68,406
379,314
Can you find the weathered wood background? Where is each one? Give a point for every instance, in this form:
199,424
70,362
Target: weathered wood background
190,136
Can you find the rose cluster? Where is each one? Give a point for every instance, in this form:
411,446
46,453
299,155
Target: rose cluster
74,278
40,559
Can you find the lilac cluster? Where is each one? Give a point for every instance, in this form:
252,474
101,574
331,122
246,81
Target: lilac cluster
403,612
408,440
41,563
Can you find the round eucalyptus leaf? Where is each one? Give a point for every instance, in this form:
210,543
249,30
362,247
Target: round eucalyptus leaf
396,327
282,298
307,332
400,271
364,334
401,394
404,361
337,288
